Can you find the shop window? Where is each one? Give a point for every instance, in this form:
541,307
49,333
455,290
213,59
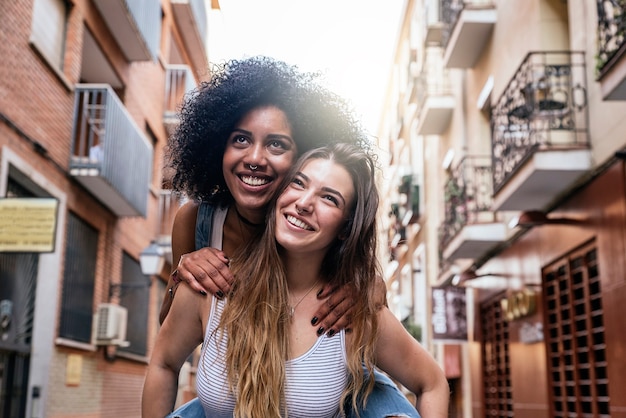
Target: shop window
575,342
497,390
135,297
81,250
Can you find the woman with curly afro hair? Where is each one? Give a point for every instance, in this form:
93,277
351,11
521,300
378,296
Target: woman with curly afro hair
239,134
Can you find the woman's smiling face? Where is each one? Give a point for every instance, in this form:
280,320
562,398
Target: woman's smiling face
259,152
313,209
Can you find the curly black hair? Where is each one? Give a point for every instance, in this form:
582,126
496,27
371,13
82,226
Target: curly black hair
208,115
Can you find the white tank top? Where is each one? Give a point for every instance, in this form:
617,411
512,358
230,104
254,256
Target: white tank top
314,380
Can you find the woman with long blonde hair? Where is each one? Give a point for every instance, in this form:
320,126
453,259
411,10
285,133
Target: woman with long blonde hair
258,358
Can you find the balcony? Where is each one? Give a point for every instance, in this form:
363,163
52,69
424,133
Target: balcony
435,102
169,203
191,19
179,81
110,155
409,200
540,141
611,67
470,227
468,27
433,23
135,25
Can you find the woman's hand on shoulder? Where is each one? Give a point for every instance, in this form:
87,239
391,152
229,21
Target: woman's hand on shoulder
205,270
335,313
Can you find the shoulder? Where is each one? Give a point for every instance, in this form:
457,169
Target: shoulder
183,230
186,214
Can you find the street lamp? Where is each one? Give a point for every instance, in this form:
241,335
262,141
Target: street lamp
152,259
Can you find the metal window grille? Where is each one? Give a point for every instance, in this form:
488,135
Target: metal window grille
497,388
576,346
78,282
135,297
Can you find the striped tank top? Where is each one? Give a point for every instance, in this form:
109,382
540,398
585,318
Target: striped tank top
315,380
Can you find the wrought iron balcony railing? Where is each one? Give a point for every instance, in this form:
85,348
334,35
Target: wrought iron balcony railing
467,197
543,107
611,31
110,155
451,11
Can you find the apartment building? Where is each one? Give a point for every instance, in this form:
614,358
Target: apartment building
88,96
505,131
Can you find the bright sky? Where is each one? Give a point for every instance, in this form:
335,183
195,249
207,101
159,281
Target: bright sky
350,41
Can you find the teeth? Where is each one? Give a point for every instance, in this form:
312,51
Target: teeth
254,181
297,222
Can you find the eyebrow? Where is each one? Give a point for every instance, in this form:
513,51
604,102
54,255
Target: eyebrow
326,189
271,136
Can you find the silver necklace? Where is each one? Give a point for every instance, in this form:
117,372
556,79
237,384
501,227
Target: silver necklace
292,309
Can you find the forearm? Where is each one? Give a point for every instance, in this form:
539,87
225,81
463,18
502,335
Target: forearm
159,392
434,403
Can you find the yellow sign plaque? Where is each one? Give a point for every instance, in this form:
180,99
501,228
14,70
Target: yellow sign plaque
27,224
73,370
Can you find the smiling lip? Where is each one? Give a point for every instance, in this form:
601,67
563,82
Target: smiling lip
298,223
254,181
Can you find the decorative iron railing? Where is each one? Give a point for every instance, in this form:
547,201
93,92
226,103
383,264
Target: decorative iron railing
543,107
467,197
451,11
611,31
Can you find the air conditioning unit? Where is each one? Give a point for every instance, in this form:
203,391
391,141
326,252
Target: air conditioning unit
109,325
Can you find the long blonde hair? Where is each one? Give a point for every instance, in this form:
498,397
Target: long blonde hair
256,317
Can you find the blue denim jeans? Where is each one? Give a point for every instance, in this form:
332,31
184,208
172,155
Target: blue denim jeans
384,401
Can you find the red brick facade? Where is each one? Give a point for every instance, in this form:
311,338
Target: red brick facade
36,125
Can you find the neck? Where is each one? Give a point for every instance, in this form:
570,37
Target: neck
248,220
301,271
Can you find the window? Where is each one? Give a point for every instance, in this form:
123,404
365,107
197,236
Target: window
497,389
575,343
48,30
135,296
78,284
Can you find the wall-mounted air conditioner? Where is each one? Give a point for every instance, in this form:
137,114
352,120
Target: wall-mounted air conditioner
109,325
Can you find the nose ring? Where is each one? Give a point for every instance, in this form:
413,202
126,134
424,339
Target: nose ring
299,210
253,167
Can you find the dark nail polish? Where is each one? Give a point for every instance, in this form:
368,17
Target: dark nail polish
203,293
320,330
320,292
219,294
314,320
331,333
